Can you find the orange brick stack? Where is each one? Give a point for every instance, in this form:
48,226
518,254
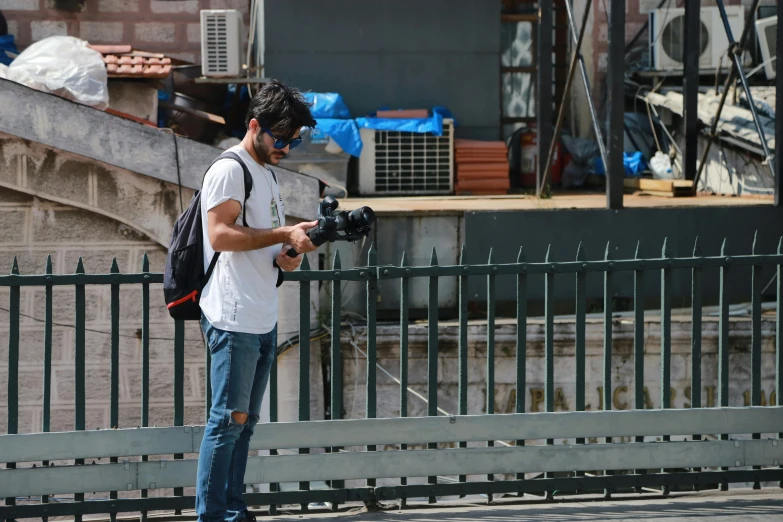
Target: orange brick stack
482,168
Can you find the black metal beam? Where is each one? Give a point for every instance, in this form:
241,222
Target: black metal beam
126,505
735,50
779,113
690,86
544,96
615,82
580,484
599,135
566,94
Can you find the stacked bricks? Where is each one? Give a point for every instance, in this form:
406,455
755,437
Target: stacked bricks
171,27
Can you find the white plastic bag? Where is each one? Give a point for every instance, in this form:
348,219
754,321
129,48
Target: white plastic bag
65,66
661,165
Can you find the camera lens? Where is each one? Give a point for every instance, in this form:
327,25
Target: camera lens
363,216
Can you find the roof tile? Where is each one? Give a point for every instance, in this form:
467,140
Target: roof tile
122,61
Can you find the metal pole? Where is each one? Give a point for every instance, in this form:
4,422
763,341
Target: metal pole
616,87
561,110
544,87
690,87
779,119
644,27
599,137
737,56
736,67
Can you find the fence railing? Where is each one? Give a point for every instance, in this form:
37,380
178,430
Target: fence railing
564,468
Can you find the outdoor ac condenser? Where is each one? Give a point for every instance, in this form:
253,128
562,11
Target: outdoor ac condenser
666,36
221,42
767,31
406,163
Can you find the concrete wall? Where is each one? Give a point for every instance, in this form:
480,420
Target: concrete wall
505,232
131,147
59,204
563,229
393,235
402,54
164,26
388,395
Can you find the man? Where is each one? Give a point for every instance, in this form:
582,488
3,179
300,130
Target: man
239,302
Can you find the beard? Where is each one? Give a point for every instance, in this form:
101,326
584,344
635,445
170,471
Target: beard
267,155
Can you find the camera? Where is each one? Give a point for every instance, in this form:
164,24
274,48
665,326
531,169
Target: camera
338,225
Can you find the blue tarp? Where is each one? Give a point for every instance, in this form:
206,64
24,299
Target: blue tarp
634,165
344,132
334,120
7,44
433,124
327,105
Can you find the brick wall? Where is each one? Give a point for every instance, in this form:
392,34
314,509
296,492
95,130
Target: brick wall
166,26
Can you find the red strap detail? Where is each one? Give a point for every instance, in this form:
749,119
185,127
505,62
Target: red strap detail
189,297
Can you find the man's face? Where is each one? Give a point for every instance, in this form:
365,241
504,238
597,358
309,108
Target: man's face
264,145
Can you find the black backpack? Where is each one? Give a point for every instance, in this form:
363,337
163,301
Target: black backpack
184,278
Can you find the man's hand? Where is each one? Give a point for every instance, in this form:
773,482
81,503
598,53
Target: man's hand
297,238
288,264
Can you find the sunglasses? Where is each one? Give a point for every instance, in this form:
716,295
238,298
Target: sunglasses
281,143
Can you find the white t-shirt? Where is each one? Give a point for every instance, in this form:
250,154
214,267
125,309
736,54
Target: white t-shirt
241,295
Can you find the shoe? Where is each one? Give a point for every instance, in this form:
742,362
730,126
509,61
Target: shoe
249,516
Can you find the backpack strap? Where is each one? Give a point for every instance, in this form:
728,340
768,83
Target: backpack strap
248,187
248,178
248,181
211,269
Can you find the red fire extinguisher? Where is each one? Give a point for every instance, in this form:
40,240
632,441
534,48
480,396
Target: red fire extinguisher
529,159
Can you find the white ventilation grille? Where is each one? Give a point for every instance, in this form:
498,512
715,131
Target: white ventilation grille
221,35
217,47
397,163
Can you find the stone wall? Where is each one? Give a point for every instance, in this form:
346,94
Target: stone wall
36,229
565,367
66,206
163,26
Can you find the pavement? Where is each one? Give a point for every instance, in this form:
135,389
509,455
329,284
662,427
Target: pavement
745,505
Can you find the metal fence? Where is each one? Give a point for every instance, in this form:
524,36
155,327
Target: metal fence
564,468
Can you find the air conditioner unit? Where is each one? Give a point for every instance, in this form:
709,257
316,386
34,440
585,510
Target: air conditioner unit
221,42
666,30
767,31
399,163
666,36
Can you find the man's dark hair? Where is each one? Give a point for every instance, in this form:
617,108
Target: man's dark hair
281,109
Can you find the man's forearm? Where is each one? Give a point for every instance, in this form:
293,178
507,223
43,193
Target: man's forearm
233,238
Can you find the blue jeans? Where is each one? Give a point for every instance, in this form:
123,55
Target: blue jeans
240,371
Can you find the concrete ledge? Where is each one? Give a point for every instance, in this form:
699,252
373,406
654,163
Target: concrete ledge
94,134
